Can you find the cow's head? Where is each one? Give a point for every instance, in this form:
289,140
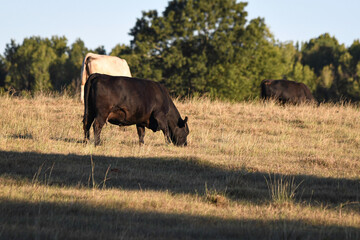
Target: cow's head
179,133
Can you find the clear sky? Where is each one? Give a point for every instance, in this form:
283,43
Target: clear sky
108,22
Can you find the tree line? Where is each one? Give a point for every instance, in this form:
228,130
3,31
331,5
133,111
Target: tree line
195,47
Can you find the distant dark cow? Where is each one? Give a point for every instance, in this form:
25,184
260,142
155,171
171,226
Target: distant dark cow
126,101
286,91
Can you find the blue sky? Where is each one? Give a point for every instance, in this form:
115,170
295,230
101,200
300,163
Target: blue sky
108,22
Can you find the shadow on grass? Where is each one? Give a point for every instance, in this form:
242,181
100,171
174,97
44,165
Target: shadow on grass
68,140
22,136
46,220
176,175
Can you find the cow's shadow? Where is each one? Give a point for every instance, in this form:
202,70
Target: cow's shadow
176,175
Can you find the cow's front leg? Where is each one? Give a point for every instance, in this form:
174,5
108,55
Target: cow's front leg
87,135
167,135
141,133
98,124
162,122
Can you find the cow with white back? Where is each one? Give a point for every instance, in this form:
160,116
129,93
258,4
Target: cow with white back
286,91
95,63
128,101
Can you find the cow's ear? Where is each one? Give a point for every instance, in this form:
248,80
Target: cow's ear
181,123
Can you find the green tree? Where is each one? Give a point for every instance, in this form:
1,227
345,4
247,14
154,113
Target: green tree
58,68
145,61
3,72
17,77
320,52
100,50
305,75
41,60
76,54
42,64
331,63
354,51
206,47
120,50
28,64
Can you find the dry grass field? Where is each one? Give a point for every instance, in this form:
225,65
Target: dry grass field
251,170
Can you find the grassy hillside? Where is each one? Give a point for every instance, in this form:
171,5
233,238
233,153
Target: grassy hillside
250,170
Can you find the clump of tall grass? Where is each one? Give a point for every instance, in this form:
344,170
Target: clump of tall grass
215,197
47,175
282,189
96,185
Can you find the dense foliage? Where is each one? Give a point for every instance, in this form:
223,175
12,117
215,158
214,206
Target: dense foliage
195,47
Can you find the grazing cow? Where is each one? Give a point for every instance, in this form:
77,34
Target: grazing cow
286,91
95,63
127,101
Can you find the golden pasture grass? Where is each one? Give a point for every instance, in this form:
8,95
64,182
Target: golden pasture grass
216,187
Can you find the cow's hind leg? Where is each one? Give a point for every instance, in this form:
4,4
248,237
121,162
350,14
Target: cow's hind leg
88,120
141,133
98,124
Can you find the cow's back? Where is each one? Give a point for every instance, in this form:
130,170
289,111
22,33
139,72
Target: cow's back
137,96
109,65
286,91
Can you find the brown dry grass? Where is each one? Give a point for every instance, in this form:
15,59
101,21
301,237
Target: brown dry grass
219,187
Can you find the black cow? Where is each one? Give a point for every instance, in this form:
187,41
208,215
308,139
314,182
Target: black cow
126,101
286,91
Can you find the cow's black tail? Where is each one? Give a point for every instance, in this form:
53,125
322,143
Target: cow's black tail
87,99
